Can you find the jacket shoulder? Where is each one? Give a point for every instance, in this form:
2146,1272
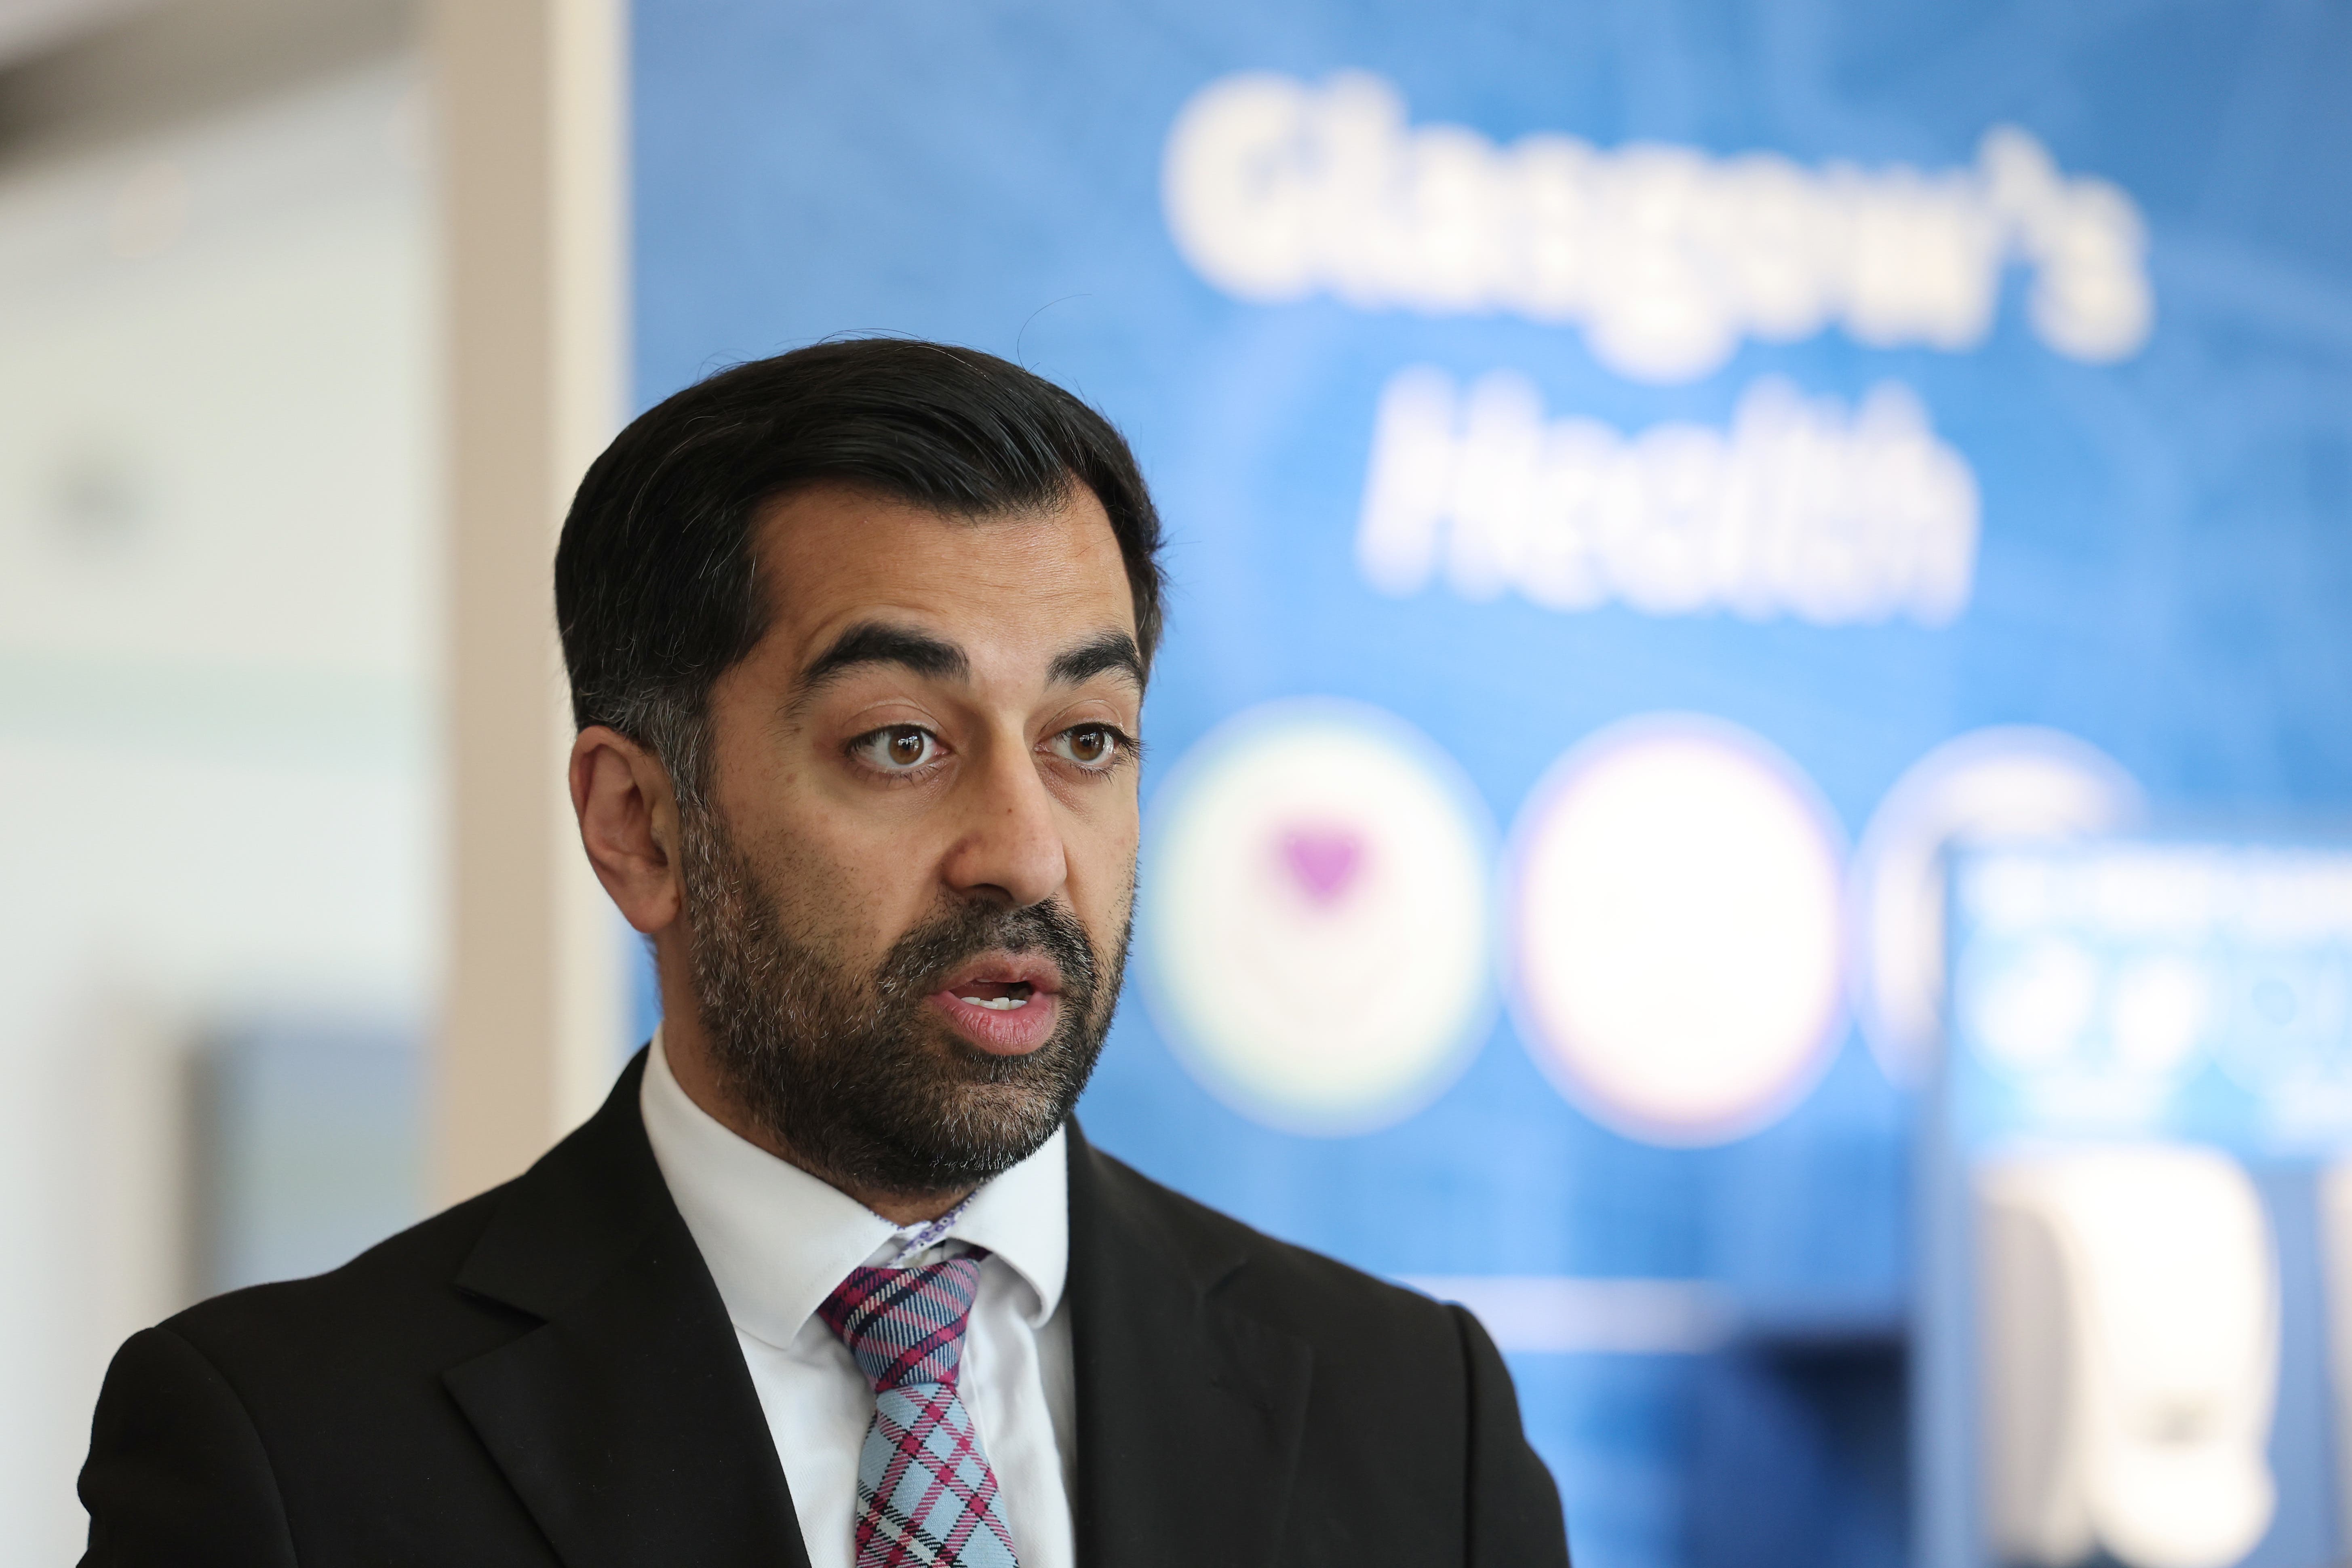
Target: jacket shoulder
1291,1286
393,1302
1403,1388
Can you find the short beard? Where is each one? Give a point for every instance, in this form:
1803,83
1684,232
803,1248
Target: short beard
851,1072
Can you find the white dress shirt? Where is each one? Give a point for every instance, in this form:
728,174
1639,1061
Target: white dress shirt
777,1241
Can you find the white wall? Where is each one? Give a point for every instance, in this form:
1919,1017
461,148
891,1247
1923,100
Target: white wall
217,722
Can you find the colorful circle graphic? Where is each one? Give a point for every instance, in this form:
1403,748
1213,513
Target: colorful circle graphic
1676,930
2007,784
1316,917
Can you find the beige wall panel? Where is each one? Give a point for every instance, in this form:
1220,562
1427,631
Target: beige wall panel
531,113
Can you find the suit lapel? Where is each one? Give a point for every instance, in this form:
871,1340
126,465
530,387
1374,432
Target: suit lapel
626,1421
1189,1412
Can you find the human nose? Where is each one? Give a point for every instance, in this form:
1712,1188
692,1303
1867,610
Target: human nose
1010,845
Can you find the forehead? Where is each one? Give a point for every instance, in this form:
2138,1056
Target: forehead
1030,580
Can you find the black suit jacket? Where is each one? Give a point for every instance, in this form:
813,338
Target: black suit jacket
545,1375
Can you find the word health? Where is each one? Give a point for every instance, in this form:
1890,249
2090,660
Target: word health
1802,508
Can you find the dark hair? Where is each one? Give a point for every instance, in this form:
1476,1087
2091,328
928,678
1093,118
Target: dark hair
657,582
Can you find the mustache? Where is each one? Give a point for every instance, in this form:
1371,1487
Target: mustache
925,957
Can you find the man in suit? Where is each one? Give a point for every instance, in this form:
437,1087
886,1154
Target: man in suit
857,638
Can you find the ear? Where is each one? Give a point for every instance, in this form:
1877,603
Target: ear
628,825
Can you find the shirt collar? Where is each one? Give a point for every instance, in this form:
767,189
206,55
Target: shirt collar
777,1240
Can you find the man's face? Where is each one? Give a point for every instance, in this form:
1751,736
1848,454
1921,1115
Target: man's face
909,896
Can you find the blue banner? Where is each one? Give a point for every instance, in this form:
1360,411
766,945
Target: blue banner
1641,479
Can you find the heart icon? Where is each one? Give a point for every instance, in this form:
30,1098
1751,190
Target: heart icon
1323,859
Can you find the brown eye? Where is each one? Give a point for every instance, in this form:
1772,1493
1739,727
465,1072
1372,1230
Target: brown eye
899,749
1088,745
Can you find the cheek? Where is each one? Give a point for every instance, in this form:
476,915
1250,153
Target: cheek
847,893
1102,868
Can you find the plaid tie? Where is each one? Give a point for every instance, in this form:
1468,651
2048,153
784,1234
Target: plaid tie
926,1497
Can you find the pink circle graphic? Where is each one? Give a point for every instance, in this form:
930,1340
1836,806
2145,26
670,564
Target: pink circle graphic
1316,916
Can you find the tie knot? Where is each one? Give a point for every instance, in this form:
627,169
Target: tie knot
905,1325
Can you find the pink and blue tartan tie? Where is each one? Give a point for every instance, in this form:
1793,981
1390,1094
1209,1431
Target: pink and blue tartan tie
926,1497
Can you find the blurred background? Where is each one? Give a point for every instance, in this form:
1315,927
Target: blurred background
1751,770
220,674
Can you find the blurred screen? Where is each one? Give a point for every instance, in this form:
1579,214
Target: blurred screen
2150,1082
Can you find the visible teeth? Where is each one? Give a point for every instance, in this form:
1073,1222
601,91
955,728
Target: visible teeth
997,1004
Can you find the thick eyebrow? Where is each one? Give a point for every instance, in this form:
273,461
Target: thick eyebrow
878,642
1112,651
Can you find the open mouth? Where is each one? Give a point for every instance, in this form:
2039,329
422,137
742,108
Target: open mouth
1007,1004
997,996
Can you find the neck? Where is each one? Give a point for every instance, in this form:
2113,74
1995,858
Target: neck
688,1051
